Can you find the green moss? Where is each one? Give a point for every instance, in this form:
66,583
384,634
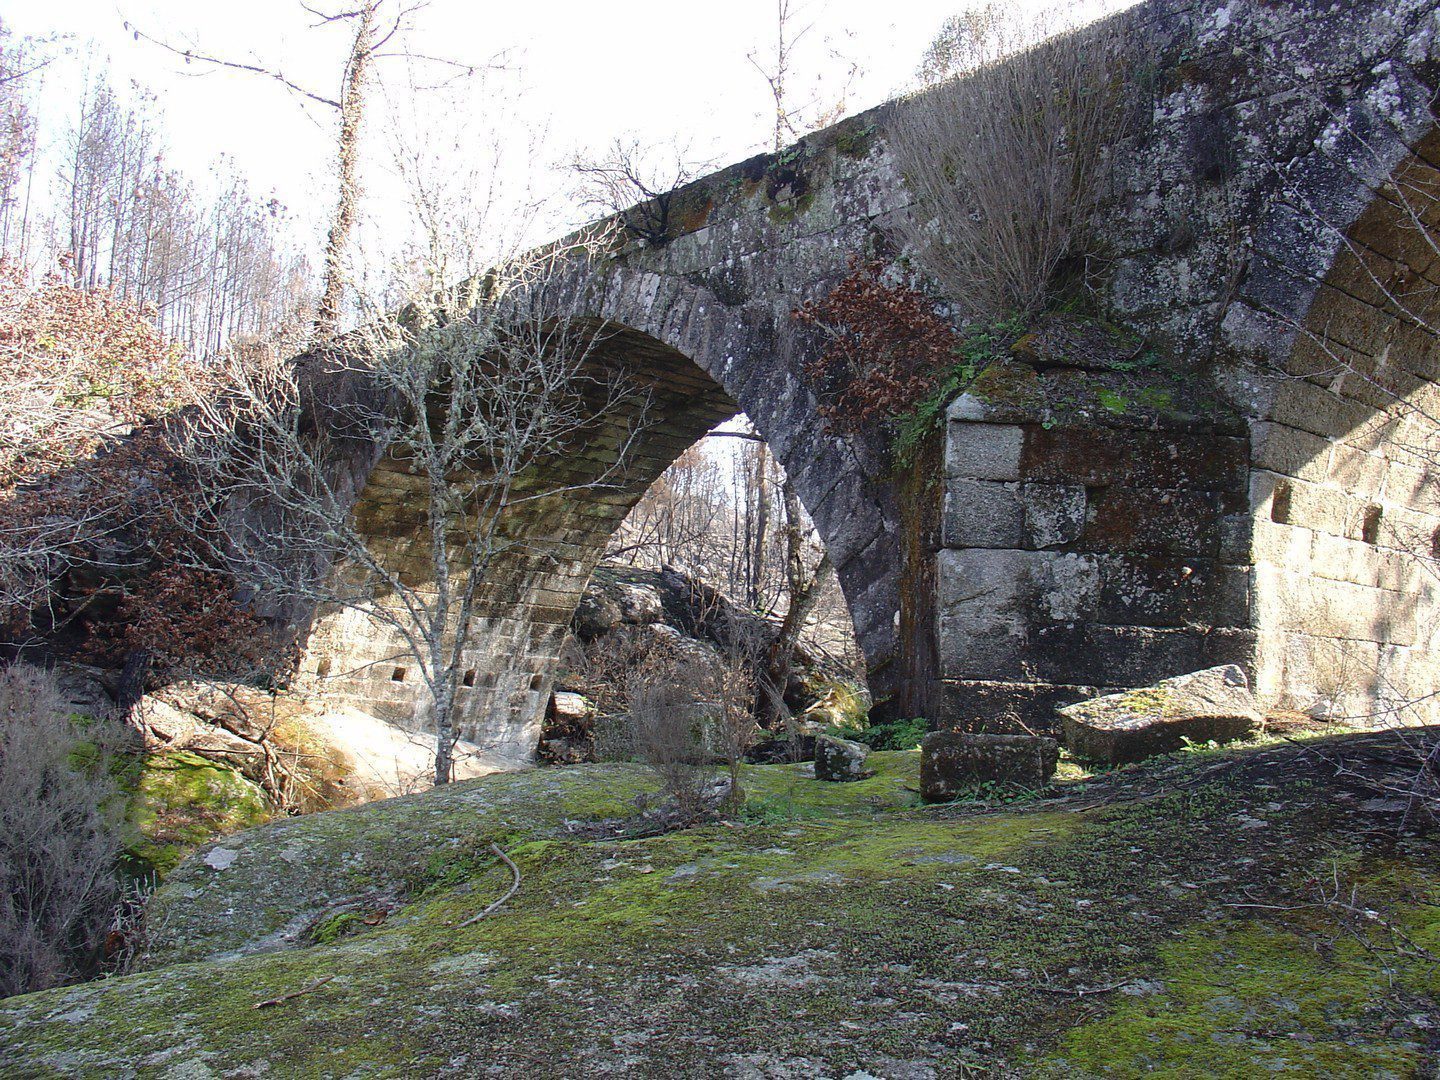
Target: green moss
1008,383
853,932
788,210
840,704
181,801
1150,699
893,784
856,141
336,927
1112,401
1247,999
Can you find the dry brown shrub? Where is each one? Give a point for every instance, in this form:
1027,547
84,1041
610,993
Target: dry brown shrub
59,836
668,714
1004,158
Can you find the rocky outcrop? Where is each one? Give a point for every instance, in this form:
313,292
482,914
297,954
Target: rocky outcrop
951,763
630,617
1214,705
339,944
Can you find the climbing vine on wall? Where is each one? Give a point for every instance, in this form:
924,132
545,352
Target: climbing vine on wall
891,359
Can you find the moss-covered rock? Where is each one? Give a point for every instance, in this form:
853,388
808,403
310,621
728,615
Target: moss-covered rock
1166,918
181,801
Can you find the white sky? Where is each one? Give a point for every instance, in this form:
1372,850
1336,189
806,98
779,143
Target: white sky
588,72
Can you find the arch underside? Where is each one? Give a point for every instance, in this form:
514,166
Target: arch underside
554,541
1346,520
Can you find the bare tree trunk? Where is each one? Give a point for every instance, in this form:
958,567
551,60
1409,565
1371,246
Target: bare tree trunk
445,732
759,533
804,589
352,112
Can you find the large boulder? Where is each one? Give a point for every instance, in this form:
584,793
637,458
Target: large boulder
1214,705
951,762
839,759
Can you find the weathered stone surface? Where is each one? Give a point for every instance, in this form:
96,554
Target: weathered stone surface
1146,464
839,759
999,707
1211,705
951,762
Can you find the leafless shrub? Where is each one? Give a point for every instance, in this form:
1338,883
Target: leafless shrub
735,693
637,184
1003,158
59,837
692,712
668,714
127,934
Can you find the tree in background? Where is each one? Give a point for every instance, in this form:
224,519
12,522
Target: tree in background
19,66
375,31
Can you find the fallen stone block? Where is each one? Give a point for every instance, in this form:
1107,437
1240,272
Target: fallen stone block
951,762
839,759
1214,705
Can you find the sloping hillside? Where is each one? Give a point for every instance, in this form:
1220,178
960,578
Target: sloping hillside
1215,915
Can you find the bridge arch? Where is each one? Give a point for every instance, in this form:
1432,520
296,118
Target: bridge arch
697,363
1244,218
1345,448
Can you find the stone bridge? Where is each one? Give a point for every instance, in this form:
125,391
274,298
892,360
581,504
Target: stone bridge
1237,497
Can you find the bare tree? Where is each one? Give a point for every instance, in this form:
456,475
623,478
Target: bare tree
778,70
375,31
791,119
804,586
18,144
637,184
474,387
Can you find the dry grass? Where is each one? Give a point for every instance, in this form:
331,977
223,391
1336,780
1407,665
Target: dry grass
1003,158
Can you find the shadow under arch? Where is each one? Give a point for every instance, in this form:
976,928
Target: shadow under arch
529,594
1344,454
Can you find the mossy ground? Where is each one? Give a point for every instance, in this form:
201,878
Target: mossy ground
834,930
181,800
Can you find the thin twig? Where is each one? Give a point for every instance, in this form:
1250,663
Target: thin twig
293,993
1080,991
514,886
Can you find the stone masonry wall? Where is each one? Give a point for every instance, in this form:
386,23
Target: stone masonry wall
1220,504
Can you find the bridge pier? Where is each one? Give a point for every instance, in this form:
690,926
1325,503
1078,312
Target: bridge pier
1086,547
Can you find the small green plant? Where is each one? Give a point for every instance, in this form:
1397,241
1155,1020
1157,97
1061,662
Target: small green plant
995,791
982,345
1112,401
1197,746
336,927
773,810
892,735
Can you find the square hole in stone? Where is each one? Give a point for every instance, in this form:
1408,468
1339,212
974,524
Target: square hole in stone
1370,527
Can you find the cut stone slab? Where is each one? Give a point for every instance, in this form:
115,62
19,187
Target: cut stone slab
839,759
952,761
1214,705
